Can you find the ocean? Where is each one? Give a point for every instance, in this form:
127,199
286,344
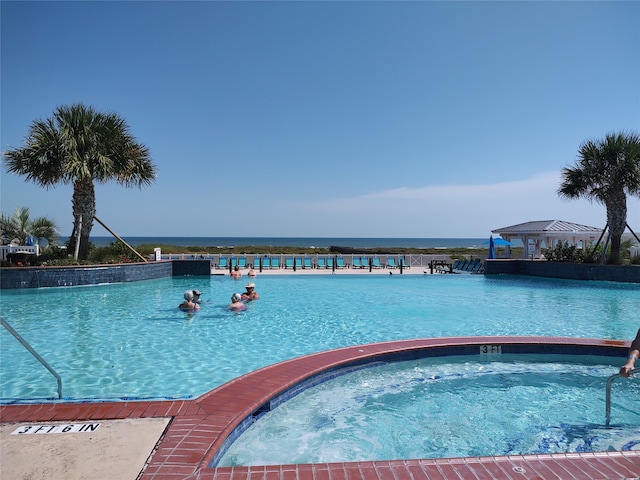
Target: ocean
307,242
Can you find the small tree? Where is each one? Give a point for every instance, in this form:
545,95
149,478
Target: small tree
19,227
81,146
606,171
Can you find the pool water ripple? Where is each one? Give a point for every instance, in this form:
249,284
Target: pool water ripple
111,341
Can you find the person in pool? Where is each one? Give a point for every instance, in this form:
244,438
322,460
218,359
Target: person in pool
189,305
236,273
236,303
196,296
251,293
634,353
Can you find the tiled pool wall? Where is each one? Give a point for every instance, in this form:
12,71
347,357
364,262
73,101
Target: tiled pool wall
571,271
607,348
36,277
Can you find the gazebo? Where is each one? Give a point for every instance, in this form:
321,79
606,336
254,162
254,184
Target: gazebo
549,232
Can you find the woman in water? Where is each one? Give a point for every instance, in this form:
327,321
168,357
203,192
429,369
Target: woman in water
236,303
189,305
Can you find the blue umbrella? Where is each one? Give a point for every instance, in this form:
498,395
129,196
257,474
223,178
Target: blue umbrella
492,253
501,242
498,242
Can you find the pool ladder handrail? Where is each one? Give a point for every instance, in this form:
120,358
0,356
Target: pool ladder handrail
26,345
608,399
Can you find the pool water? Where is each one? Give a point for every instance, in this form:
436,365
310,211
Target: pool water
448,407
130,341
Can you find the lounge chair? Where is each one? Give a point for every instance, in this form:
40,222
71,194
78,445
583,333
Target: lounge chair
307,263
275,262
391,262
234,262
330,262
365,262
376,263
340,262
288,262
322,263
402,263
258,260
223,263
356,263
456,264
298,263
242,262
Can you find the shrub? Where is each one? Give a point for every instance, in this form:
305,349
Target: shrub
564,252
115,252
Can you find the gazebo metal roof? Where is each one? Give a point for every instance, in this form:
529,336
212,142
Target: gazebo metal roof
549,232
549,227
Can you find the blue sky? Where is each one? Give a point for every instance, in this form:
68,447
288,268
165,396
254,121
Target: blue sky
335,119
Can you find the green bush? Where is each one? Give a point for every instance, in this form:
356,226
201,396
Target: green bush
564,252
115,252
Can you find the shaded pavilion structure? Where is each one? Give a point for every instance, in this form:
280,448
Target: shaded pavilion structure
547,234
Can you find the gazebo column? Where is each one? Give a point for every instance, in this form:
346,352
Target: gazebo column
538,250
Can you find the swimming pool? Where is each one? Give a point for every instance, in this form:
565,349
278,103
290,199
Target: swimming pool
129,341
447,407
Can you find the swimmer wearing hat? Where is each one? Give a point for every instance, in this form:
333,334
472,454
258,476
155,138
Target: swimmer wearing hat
196,296
251,293
236,303
189,305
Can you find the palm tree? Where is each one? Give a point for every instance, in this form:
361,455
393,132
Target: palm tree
606,171
80,146
19,226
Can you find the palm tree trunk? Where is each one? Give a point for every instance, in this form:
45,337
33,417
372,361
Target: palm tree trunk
617,220
84,206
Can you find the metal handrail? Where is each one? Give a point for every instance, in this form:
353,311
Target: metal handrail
34,353
608,399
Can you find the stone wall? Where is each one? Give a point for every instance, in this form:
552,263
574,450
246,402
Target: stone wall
571,271
35,277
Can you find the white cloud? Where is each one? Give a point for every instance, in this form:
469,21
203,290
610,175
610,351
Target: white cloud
451,194
455,210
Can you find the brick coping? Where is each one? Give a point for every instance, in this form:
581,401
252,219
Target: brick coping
200,427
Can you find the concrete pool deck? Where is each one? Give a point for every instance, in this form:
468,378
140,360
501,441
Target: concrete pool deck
198,428
116,449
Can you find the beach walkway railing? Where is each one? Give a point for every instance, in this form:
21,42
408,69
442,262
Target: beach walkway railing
222,261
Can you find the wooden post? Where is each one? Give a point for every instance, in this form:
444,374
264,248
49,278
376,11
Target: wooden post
115,235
